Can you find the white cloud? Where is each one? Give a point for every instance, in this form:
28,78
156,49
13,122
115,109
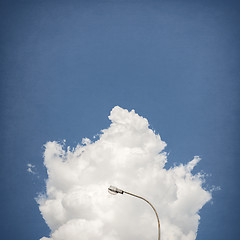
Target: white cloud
30,168
129,155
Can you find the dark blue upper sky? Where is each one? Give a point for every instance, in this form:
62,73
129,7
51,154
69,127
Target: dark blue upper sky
65,64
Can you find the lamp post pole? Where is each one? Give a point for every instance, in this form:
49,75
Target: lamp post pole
114,190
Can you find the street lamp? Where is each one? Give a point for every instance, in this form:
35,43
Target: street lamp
114,191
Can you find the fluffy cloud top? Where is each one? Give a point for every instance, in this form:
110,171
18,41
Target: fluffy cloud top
129,155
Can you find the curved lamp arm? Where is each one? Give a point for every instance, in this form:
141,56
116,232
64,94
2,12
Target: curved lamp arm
114,190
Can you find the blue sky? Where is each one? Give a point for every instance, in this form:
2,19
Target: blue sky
66,64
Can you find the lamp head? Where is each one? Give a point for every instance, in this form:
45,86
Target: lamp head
114,190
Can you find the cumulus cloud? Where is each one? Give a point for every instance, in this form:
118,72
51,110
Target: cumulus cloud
129,155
